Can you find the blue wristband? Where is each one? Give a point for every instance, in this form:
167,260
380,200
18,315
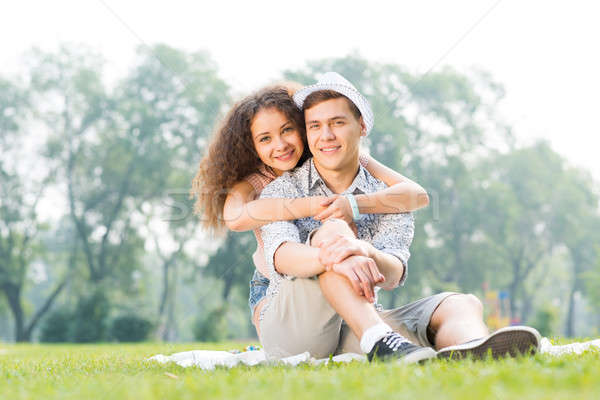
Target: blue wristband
354,205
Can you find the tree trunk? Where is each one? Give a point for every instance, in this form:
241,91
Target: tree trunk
13,297
513,289
527,306
165,290
228,284
171,333
570,322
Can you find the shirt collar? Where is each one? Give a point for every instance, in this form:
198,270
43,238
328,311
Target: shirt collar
359,184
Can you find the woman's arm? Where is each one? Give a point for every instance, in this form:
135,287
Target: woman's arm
243,212
402,195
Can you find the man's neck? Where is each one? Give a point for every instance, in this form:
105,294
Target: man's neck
338,180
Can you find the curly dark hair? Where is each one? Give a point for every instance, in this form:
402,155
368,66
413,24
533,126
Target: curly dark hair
231,155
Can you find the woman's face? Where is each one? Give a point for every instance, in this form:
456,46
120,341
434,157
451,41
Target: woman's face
276,140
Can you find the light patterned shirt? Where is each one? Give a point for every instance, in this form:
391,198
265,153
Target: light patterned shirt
390,233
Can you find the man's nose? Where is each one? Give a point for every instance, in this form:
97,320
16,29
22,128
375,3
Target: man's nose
327,133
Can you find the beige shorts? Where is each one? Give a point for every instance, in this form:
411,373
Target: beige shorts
300,319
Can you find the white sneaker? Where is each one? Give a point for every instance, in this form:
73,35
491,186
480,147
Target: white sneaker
510,341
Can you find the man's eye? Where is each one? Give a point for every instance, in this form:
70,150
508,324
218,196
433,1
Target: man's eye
339,123
313,126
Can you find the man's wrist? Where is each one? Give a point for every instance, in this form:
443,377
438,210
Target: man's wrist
371,250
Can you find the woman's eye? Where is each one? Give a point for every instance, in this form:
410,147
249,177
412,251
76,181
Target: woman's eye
288,129
264,139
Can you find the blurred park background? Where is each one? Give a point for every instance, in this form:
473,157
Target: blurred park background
97,237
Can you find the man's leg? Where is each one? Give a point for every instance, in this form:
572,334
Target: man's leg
459,331
358,313
297,319
458,319
410,320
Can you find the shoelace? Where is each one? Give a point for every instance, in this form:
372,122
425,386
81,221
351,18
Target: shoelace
394,340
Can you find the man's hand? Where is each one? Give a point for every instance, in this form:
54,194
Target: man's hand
337,207
362,273
338,248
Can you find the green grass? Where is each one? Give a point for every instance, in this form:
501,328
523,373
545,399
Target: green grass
113,371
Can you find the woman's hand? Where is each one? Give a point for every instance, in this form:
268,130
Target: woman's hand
338,206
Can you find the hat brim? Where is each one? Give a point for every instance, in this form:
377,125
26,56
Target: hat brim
355,97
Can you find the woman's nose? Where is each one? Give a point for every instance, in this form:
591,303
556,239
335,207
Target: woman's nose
280,143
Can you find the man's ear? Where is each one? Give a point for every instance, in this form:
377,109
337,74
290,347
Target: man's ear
363,126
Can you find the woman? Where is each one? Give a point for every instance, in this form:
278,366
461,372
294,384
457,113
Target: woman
260,138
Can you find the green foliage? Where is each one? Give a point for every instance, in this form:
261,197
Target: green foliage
212,327
56,327
545,320
90,318
130,328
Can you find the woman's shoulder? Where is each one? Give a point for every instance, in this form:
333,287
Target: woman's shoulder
260,178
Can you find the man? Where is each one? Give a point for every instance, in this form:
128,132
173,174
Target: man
324,278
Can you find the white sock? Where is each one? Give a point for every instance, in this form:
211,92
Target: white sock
372,335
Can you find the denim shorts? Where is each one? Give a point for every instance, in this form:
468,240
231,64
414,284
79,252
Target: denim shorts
258,290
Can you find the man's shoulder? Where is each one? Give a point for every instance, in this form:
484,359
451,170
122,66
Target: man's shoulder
373,184
289,182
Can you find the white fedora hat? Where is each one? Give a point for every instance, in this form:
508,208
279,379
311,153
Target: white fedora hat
337,83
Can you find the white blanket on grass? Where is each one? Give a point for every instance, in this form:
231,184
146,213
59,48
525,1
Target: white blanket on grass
208,359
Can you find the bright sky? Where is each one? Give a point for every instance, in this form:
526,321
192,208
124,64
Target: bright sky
544,52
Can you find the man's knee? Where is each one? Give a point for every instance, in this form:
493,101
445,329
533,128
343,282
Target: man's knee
329,280
463,305
460,303
329,229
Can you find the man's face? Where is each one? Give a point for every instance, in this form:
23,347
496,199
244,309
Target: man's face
333,134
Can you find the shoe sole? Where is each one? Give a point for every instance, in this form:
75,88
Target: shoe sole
510,341
418,356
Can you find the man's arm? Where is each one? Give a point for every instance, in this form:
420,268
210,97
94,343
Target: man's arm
390,266
392,239
297,259
284,254
340,248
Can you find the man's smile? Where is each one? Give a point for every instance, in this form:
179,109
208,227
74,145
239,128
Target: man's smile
330,149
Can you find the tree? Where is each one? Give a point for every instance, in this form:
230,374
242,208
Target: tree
517,209
575,225
21,189
116,151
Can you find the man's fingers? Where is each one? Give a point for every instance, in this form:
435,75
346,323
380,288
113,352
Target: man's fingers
367,284
324,214
343,254
355,282
378,276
